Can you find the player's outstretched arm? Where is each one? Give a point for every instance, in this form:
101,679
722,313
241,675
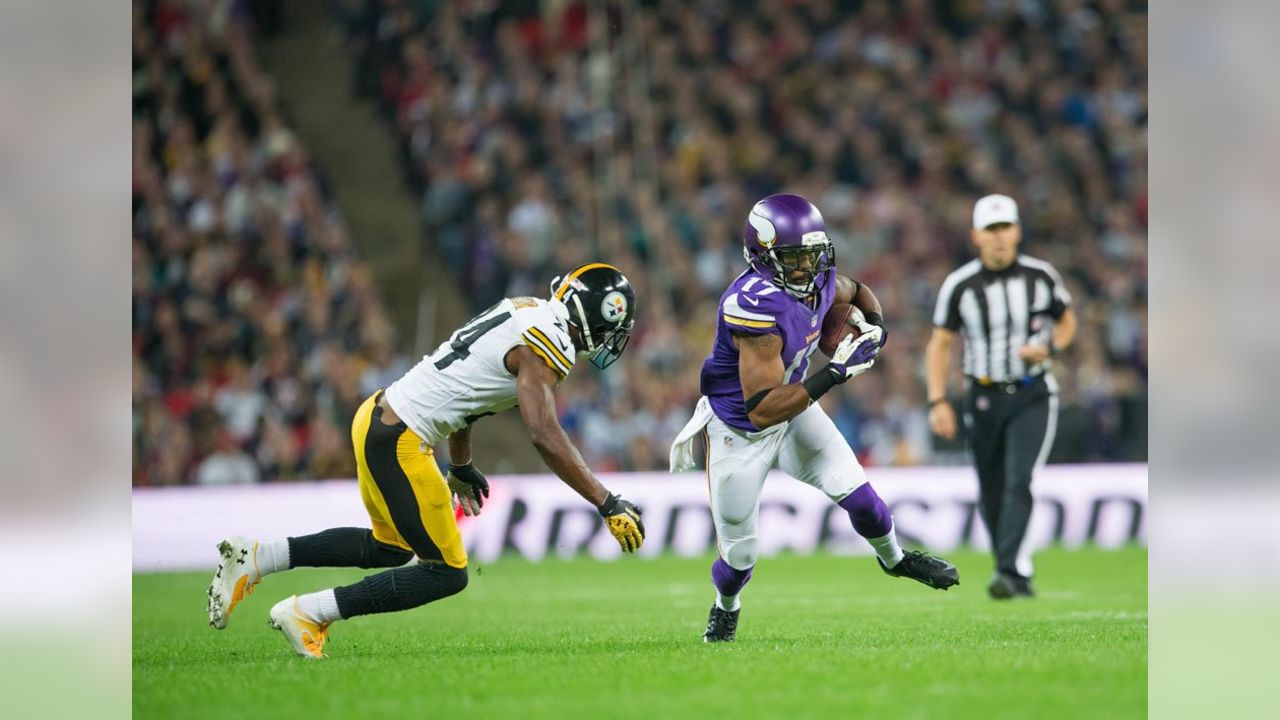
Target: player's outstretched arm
535,391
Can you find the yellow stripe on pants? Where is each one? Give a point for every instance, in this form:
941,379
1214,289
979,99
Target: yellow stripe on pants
435,513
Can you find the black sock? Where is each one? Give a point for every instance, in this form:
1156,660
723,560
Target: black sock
400,589
344,547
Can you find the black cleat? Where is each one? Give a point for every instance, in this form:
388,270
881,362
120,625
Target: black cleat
1002,587
1006,586
722,625
1022,587
924,568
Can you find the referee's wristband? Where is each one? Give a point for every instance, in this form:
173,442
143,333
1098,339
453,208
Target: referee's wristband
938,401
819,384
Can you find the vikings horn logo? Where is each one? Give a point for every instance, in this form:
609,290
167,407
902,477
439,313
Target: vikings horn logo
614,307
766,235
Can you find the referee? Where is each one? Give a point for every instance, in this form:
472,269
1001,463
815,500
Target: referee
1015,315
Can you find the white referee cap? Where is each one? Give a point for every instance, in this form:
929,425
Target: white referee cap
994,209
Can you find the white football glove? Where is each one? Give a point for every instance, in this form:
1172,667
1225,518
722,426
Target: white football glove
856,355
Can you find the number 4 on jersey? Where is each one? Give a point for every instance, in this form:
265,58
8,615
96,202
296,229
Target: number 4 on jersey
461,341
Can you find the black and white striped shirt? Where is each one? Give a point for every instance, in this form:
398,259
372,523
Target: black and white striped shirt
999,311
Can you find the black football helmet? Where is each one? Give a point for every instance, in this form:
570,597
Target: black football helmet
602,306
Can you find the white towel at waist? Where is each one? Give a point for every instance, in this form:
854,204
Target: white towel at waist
682,457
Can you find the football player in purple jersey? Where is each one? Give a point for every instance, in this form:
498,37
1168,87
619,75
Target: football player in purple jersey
758,408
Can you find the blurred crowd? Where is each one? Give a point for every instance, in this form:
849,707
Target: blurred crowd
544,134
256,330
540,135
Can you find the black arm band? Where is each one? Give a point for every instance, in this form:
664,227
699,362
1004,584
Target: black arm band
755,400
819,384
875,318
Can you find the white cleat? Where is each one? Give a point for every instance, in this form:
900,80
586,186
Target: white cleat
237,575
306,636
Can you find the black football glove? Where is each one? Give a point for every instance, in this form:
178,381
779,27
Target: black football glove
469,488
623,519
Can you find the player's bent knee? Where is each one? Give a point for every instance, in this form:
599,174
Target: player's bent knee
730,516
448,579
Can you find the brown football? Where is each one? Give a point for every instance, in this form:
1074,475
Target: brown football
839,322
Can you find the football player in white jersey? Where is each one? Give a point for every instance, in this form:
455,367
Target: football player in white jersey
516,352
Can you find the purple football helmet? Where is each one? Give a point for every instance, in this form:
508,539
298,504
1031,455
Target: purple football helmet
785,236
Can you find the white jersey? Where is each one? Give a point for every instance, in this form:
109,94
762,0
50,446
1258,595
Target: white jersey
466,378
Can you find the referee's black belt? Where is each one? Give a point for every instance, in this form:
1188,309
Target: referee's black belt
1009,387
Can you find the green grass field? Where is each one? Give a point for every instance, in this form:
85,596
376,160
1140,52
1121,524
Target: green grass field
820,636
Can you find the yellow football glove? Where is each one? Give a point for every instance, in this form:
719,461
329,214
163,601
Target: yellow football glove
623,519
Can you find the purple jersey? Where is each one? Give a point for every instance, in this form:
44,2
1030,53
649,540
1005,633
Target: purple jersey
754,306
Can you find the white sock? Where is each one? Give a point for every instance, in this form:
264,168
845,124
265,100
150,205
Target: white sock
273,556
887,548
320,606
727,602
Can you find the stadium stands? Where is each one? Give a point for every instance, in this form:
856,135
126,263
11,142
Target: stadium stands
257,330
893,117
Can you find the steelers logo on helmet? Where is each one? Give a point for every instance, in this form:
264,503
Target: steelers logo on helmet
614,307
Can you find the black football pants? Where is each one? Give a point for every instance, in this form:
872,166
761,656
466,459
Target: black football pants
1010,428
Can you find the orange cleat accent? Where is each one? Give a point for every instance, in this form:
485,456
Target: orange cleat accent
236,578
306,636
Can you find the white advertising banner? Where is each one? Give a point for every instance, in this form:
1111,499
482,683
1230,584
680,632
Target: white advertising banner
536,515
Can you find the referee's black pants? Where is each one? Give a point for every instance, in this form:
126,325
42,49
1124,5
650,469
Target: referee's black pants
1011,428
